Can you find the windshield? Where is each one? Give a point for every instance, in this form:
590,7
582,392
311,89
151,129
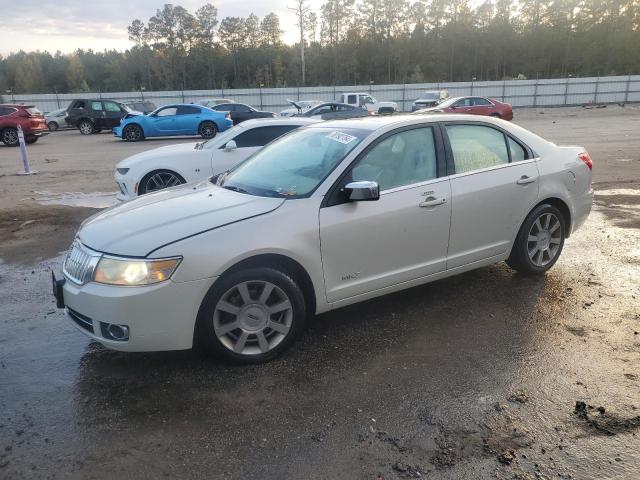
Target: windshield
294,165
448,102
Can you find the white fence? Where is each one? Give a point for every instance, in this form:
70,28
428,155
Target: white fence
520,93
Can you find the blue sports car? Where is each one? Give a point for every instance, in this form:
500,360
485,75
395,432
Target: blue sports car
170,120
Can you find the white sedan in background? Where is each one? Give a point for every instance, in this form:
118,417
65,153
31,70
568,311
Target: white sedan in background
187,162
326,216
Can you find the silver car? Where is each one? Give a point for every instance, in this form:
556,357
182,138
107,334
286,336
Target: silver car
56,119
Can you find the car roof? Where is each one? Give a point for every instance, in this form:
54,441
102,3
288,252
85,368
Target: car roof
261,122
376,122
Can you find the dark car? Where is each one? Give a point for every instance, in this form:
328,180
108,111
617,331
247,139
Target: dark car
430,98
30,119
241,112
473,106
331,110
141,106
92,116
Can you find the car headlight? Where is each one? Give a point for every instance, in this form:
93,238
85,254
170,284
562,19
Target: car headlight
132,272
122,171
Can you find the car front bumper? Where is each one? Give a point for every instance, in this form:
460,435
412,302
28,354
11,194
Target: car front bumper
117,131
159,317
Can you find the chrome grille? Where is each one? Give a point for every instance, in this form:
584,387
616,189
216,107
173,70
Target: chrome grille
79,264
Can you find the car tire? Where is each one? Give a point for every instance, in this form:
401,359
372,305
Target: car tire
53,126
86,127
31,139
132,133
539,242
265,306
9,136
207,130
159,180
495,115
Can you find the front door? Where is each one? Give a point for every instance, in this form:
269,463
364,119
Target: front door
495,185
165,121
367,246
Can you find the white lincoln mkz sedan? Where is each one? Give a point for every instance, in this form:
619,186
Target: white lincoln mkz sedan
328,215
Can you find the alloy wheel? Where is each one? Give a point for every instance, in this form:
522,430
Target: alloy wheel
252,317
544,239
161,180
86,128
132,134
207,130
10,136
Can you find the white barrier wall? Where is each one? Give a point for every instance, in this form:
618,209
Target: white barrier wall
520,93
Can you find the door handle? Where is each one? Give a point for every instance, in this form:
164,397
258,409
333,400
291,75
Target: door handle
432,202
524,180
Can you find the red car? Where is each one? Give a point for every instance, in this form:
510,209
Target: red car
473,106
28,117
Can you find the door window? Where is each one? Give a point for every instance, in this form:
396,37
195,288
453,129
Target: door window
465,102
96,106
167,112
351,99
79,104
518,153
476,147
111,107
258,137
481,102
186,110
404,158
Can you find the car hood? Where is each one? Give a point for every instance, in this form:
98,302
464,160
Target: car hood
138,227
162,152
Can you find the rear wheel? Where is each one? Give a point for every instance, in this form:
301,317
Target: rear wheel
31,139
9,137
539,241
207,130
53,126
159,180
86,127
496,115
252,315
133,133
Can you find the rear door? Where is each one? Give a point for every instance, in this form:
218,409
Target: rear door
494,184
247,142
188,120
481,106
97,114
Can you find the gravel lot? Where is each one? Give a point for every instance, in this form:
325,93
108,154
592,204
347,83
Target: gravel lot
483,375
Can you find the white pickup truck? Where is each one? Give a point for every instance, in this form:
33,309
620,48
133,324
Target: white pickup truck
366,101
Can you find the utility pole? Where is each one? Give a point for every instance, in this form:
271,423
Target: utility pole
301,10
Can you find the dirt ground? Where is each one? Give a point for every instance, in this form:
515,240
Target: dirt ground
483,375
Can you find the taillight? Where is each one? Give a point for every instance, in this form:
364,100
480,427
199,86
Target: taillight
584,156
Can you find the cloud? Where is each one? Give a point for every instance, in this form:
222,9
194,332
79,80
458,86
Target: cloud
67,25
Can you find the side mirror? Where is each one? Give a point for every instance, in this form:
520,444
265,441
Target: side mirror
362,191
230,145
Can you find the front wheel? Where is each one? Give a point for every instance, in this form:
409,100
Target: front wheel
539,241
132,133
207,130
159,180
252,315
86,127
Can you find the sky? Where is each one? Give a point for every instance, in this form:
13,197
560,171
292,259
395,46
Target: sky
67,25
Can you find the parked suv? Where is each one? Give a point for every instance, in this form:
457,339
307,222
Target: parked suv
28,117
92,116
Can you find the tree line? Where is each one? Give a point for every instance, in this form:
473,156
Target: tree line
348,42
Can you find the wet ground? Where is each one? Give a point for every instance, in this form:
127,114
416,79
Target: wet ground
483,375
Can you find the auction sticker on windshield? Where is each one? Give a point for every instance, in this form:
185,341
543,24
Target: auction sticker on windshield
341,137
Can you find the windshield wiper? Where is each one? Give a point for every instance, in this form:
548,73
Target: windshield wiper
234,188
